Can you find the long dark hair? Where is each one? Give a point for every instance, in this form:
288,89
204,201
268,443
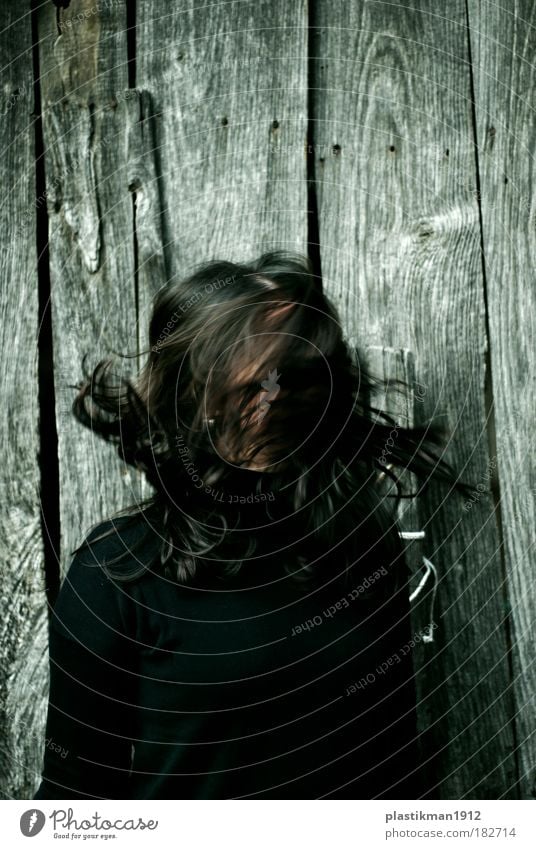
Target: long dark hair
251,407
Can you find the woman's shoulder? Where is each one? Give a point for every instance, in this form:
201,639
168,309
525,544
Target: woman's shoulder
130,539
96,593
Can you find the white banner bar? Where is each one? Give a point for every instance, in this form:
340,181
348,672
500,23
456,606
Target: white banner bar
258,824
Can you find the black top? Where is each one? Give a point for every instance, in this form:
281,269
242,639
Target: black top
251,689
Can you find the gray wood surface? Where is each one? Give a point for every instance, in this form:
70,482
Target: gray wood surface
401,257
23,619
86,124
144,183
196,148
397,366
393,365
229,87
504,52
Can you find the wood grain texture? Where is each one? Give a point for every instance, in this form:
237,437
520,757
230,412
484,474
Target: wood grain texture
503,42
403,405
143,182
23,620
86,125
400,237
229,87
396,366
207,157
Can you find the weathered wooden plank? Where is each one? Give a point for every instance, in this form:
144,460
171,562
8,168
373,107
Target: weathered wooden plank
145,185
23,621
393,365
401,257
396,366
143,182
503,43
229,85
92,267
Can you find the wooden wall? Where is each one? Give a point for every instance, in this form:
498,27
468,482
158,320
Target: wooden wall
400,244
394,143
23,623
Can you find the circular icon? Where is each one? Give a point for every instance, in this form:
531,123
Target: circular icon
31,822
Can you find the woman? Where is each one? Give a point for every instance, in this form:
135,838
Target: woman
239,634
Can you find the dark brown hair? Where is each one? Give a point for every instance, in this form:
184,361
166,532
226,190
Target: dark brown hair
250,387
